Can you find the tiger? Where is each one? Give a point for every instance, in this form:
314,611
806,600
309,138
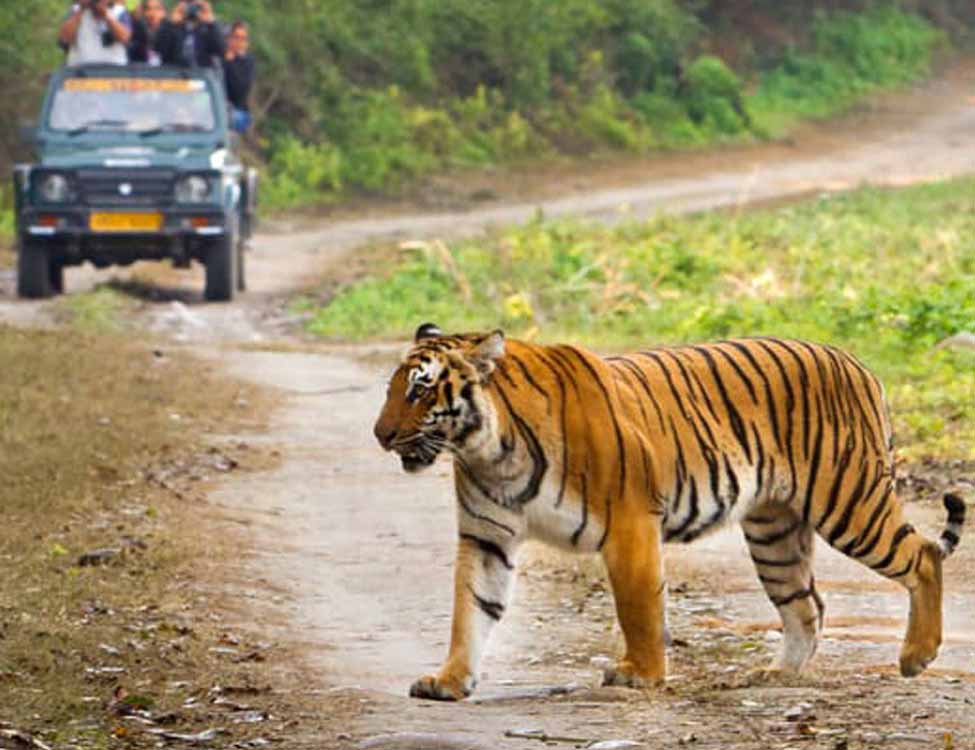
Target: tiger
618,455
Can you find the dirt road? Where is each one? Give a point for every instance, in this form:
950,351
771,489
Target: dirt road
363,552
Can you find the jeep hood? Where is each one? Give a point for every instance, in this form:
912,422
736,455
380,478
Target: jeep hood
128,156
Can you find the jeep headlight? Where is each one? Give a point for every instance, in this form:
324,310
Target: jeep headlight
192,189
55,188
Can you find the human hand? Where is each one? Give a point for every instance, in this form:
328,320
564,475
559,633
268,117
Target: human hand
206,12
100,8
179,12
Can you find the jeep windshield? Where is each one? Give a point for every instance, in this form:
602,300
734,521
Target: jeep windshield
147,106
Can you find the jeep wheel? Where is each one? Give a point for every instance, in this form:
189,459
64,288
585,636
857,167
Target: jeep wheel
241,277
33,270
56,277
221,265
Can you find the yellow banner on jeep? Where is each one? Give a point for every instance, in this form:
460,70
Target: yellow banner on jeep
168,85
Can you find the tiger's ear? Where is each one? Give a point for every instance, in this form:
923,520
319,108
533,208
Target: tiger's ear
486,354
427,331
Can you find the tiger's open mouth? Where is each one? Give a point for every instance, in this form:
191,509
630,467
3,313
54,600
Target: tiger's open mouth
419,455
414,464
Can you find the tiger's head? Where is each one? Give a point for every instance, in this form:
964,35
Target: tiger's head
436,398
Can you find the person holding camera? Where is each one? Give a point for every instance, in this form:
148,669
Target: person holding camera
96,31
147,19
190,36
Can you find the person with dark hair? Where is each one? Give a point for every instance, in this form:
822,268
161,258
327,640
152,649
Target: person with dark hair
146,22
96,31
190,36
238,71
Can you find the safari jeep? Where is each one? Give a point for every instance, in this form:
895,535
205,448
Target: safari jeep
133,163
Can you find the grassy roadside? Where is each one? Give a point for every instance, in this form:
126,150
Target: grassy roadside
888,274
109,631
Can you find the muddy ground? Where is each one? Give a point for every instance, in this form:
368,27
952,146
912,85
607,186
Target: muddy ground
350,559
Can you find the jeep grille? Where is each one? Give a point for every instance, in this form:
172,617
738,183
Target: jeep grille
118,187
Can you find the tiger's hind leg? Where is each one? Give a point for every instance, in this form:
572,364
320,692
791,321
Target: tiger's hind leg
880,539
781,547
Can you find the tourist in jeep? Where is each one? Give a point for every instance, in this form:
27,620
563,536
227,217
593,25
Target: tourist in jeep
96,31
238,73
147,20
190,36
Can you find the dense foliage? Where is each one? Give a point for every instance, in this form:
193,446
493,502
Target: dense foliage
887,274
381,92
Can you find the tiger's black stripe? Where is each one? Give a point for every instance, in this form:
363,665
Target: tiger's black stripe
769,399
776,536
899,535
526,374
584,496
642,378
539,462
492,609
737,424
489,548
560,382
782,601
621,447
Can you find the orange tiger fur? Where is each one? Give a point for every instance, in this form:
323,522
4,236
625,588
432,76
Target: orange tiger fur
618,455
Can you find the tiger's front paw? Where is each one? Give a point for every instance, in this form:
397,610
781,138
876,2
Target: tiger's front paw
441,688
625,674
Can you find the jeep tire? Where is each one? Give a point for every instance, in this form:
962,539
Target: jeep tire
56,276
33,269
222,260
241,277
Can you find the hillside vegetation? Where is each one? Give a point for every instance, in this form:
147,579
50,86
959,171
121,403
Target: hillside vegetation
368,95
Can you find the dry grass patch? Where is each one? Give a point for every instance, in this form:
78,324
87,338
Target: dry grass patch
109,628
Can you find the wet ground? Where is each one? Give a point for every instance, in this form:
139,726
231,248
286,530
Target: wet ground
352,558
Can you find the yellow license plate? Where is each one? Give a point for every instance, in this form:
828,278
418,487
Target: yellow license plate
116,221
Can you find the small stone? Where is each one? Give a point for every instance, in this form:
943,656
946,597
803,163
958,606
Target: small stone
613,745
98,556
800,712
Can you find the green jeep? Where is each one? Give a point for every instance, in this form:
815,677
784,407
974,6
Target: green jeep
133,163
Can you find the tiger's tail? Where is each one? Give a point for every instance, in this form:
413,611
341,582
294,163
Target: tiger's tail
956,519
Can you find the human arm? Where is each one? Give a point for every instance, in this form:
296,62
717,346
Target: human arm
69,29
119,25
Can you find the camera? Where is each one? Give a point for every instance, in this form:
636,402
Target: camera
193,11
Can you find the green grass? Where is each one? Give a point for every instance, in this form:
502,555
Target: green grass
887,274
101,310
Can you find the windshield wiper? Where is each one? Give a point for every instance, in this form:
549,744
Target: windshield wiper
98,124
174,127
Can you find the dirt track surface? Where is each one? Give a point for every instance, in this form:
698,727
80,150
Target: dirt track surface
364,552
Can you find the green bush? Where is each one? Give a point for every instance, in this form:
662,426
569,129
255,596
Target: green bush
714,97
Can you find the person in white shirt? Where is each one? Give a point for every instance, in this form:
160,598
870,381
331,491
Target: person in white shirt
96,31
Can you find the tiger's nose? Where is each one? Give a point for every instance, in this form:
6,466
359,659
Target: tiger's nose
384,435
